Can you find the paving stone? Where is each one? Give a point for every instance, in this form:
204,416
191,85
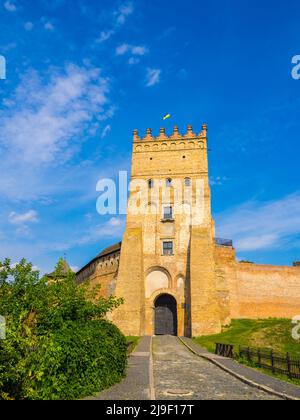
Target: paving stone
179,374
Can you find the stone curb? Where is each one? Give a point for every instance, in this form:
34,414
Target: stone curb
240,377
151,373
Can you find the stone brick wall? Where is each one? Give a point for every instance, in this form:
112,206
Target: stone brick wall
267,291
104,272
255,291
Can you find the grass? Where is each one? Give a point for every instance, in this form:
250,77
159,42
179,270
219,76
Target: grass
132,343
265,334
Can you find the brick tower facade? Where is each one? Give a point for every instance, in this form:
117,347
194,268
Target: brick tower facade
168,246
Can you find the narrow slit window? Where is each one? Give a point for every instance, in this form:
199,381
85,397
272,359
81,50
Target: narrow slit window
188,182
169,183
168,213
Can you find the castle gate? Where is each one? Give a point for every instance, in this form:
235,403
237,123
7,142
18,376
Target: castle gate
165,315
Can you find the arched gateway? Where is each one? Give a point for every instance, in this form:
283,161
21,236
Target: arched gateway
165,315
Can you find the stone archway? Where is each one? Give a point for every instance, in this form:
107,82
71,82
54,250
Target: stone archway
166,315
157,279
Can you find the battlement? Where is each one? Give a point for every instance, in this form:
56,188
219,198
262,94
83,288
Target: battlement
189,135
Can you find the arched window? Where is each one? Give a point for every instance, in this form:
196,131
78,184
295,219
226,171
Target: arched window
151,183
187,182
169,183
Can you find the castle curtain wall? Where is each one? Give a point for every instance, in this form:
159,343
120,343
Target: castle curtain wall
255,291
103,272
267,292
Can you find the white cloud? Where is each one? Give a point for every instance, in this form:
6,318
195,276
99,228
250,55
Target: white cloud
217,181
133,60
49,26
153,77
124,12
114,221
119,19
105,36
45,122
122,49
113,230
10,6
44,118
106,131
267,225
28,26
24,218
138,50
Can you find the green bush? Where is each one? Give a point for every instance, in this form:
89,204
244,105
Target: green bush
58,346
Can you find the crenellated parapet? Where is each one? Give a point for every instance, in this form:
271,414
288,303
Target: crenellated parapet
175,136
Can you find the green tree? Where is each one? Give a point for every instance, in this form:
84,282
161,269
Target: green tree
47,321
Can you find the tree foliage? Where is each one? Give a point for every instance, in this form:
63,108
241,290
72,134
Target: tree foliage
58,344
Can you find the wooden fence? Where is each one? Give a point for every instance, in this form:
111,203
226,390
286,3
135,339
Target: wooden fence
225,350
283,364
276,363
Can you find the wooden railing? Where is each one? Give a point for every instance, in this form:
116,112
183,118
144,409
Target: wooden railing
269,360
225,350
276,363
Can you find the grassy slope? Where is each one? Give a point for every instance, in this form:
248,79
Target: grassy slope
273,334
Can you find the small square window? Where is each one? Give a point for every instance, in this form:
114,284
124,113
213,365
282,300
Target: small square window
168,248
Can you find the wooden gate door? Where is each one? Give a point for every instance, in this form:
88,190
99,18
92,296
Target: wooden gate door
166,316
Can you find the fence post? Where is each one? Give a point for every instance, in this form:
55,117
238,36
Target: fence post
288,361
259,358
248,354
272,361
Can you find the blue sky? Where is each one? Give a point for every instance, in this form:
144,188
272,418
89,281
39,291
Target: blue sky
81,75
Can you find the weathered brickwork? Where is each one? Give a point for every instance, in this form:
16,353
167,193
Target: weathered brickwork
210,287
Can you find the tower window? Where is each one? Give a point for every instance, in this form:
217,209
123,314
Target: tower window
169,183
168,213
168,248
151,183
188,182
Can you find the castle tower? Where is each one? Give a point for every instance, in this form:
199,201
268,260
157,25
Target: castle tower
167,270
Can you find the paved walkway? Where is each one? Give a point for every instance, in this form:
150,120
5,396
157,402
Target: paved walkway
174,372
179,374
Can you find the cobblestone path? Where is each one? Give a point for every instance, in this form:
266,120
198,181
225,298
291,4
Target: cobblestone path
181,375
